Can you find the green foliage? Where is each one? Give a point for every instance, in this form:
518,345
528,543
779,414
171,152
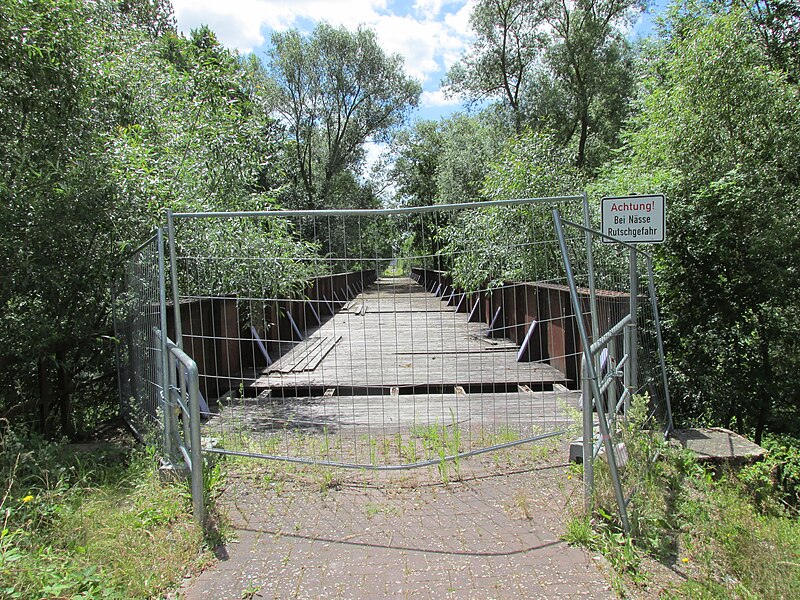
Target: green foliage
417,151
774,482
87,526
732,548
731,534
719,133
335,90
564,66
108,118
468,147
507,48
485,244
591,69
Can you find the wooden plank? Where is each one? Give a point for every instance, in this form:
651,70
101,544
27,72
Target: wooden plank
324,348
286,363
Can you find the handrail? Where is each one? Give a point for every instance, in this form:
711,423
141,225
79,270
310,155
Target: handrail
189,378
615,330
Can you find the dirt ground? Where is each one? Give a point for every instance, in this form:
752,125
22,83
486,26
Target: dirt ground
490,528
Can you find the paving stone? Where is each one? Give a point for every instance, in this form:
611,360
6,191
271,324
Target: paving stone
387,538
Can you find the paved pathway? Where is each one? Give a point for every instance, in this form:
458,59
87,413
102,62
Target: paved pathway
305,533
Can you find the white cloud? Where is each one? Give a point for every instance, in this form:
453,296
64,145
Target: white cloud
439,99
428,8
430,37
417,42
239,23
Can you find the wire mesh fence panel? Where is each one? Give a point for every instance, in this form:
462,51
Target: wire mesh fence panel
380,339
137,317
611,264
624,369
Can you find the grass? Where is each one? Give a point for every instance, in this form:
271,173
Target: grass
441,441
371,509
697,532
87,527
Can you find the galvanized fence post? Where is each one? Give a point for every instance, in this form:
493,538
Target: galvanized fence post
587,223
633,335
660,342
588,439
169,448
605,434
198,504
173,267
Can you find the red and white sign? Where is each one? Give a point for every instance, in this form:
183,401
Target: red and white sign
635,219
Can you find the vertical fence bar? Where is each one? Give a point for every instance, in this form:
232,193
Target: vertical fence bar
592,375
633,339
173,266
657,324
176,305
169,449
588,439
194,441
587,223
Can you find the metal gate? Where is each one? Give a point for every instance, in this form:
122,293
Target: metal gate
378,339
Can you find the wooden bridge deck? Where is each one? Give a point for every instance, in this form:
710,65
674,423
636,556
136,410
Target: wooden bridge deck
394,358
395,337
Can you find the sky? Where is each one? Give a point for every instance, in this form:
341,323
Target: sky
430,34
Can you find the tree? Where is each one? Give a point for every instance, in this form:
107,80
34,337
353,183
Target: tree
778,25
590,59
563,66
496,244
469,144
417,153
509,41
108,118
335,90
720,133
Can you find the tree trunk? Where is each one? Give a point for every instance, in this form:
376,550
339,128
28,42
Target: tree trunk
63,386
581,159
44,395
764,395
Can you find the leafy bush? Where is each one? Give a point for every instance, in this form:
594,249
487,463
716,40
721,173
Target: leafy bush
734,534
82,526
776,479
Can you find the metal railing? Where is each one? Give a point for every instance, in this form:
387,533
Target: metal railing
641,366
182,422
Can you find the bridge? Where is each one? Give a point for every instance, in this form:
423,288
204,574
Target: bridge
396,356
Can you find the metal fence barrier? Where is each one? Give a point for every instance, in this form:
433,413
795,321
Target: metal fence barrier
321,338
158,382
138,301
386,339
614,373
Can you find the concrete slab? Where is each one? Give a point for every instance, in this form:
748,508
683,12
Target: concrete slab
718,445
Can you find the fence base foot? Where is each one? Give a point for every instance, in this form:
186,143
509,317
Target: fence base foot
172,472
576,451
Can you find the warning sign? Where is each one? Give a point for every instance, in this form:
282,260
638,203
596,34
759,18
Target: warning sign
635,219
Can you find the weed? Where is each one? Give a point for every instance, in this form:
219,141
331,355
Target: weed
326,480
579,531
442,442
250,592
371,509
739,532
521,502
